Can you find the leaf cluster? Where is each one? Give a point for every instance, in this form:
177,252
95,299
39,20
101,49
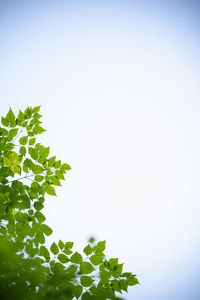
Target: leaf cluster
29,270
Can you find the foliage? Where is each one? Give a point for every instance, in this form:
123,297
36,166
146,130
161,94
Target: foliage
28,269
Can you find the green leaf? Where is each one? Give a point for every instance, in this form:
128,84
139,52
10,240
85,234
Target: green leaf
28,113
39,178
57,164
38,129
45,152
87,250
38,205
105,275
40,217
20,117
125,274
22,150
10,117
96,259
86,268
132,280
76,258
44,252
115,285
87,296
29,164
54,249
91,240
63,258
37,169
86,281
7,162
50,190
101,246
46,229
66,167
51,161
117,270
67,251
23,140
36,109
69,245
4,122
40,237
32,141
13,132
55,181
113,262
61,244
123,285
33,153
16,169
77,290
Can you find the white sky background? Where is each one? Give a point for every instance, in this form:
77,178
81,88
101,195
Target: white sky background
119,88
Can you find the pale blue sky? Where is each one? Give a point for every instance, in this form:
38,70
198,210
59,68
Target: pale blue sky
119,86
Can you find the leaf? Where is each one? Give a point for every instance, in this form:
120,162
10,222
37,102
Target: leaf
101,246
66,167
104,275
23,140
10,117
4,122
33,153
69,245
115,285
61,244
20,117
38,129
37,169
96,259
39,216
46,229
54,249
36,109
86,281
38,205
86,268
28,113
39,178
123,285
28,163
87,250
55,181
113,262
50,190
57,164
22,150
63,258
91,240
32,141
7,162
13,132
76,258
45,152
132,280
51,161
44,252
67,251
77,290
117,270
16,169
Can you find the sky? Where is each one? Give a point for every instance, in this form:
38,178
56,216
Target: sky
119,86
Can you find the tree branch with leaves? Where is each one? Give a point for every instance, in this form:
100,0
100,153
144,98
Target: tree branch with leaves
28,269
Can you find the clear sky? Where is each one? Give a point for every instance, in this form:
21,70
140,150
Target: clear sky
119,86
